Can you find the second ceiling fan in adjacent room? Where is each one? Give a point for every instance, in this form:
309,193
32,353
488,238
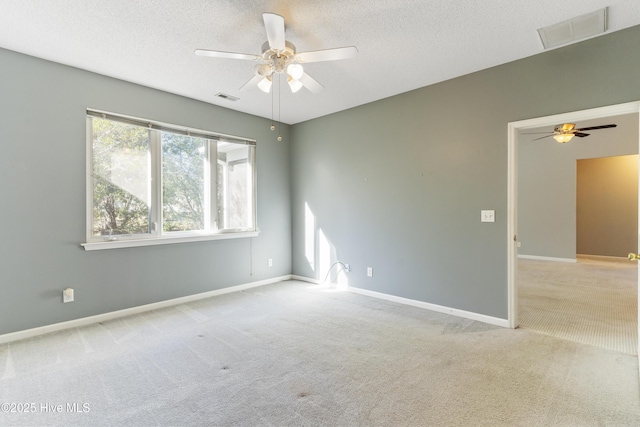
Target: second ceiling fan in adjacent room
565,132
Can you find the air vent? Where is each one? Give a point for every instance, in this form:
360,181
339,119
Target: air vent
572,30
227,97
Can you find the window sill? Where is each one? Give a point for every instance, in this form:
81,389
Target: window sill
165,240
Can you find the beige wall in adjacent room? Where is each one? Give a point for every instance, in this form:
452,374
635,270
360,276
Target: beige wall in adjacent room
607,206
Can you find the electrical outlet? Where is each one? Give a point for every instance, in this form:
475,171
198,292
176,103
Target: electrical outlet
488,216
347,268
270,262
67,295
369,272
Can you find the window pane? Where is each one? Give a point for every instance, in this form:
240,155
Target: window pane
183,177
235,186
121,178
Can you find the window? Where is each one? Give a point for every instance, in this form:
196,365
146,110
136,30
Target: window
157,182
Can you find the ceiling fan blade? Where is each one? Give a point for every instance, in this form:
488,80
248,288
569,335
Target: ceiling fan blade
534,133
542,137
310,83
228,55
274,24
598,127
581,135
252,83
327,54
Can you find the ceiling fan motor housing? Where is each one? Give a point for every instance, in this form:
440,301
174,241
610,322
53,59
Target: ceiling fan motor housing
278,60
565,127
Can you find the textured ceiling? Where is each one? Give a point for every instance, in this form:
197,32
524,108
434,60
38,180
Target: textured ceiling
403,45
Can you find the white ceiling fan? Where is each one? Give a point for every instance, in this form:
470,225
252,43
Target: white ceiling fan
279,56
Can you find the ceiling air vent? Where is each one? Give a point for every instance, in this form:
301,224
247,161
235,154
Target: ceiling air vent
227,97
572,30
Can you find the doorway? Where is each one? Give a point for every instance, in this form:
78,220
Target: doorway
514,130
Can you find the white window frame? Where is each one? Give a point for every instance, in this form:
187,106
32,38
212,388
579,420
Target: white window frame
157,236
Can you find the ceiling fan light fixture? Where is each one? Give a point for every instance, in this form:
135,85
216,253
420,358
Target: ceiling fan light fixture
294,84
563,137
265,84
295,70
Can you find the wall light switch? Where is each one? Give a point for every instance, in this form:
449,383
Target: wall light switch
488,216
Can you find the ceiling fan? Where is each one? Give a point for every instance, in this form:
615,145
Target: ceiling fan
565,132
279,56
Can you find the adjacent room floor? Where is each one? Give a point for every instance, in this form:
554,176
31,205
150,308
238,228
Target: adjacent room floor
593,301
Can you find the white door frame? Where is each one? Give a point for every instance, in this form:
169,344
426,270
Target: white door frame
512,184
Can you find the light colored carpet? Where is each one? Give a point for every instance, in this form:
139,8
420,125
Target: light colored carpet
594,301
291,354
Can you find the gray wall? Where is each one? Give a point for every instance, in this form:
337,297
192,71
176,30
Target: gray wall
547,183
42,170
607,206
398,184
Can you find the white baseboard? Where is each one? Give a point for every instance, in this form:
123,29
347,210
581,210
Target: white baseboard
433,307
305,279
547,258
76,323
603,257
420,304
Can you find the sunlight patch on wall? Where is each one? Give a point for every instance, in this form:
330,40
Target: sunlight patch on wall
342,282
309,236
324,256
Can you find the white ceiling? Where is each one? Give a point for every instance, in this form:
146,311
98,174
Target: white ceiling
402,44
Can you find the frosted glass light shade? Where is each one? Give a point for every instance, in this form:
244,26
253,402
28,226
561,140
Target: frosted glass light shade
265,85
295,85
562,138
295,71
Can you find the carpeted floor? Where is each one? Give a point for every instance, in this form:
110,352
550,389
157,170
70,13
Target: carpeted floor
593,301
292,354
